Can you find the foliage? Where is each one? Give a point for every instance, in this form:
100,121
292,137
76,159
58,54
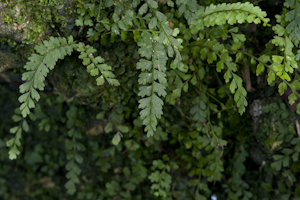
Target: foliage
162,90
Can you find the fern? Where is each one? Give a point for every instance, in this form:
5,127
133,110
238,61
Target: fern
152,47
73,146
236,85
161,180
211,51
283,66
231,13
74,170
15,141
95,65
153,69
37,69
292,19
188,9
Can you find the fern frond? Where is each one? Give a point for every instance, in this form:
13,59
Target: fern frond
188,9
236,85
38,67
15,141
167,38
160,179
96,65
153,78
73,147
229,13
73,158
293,20
283,66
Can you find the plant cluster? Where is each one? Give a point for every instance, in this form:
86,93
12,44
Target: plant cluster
166,92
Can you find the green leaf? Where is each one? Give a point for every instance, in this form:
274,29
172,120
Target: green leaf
271,77
115,29
108,128
174,42
170,51
175,32
16,118
236,45
232,86
116,139
285,161
264,58
295,156
238,37
109,3
260,69
143,9
25,87
277,165
222,142
114,82
185,87
13,152
79,21
122,26
123,129
220,66
94,72
25,126
27,75
14,129
152,23
282,87
124,35
194,80
100,80
167,29
70,186
24,97
152,4
35,95
277,59
161,17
